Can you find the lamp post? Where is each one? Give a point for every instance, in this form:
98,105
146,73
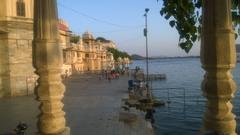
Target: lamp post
146,36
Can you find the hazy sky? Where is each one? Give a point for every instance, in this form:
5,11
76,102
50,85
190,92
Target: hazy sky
122,21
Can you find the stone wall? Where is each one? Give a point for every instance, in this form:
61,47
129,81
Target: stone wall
4,67
17,72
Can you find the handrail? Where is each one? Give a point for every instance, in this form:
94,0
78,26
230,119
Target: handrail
179,96
168,88
172,88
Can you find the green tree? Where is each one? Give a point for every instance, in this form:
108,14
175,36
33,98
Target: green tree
74,39
116,53
185,16
102,39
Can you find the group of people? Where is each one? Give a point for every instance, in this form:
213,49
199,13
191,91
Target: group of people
112,74
109,75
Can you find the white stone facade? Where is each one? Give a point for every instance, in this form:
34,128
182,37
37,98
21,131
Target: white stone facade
16,37
88,55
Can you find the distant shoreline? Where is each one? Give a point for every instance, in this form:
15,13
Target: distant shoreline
178,57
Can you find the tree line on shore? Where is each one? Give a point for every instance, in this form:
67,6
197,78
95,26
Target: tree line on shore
139,57
117,53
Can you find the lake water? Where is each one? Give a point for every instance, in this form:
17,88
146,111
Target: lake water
182,116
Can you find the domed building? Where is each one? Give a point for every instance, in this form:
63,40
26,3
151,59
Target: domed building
87,54
87,36
95,55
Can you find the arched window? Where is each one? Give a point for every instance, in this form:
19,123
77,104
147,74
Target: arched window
20,8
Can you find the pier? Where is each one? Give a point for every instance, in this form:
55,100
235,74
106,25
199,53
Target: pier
154,77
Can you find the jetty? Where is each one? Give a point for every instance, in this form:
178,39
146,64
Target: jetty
154,77
139,75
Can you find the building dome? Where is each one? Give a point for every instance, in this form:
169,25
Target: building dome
87,35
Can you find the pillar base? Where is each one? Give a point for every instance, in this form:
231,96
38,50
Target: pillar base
66,131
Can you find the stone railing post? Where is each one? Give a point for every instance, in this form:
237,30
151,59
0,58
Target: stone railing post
218,57
47,59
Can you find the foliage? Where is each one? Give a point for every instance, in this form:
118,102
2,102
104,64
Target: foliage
137,57
102,39
116,53
74,39
236,14
185,16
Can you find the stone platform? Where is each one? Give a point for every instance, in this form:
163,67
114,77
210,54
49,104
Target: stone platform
92,107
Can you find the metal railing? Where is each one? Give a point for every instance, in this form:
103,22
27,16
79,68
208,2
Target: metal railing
180,95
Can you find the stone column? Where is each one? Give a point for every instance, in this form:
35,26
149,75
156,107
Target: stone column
47,56
218,57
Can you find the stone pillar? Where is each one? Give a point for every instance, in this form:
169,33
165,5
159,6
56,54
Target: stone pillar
218,57
47,56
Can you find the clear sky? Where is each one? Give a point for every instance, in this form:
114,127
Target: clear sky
122,21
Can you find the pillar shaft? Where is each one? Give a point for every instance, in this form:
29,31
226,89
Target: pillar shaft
218,57
47,58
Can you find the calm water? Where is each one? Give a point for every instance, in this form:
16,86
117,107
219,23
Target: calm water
181,117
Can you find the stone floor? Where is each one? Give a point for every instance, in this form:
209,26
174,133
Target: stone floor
92,107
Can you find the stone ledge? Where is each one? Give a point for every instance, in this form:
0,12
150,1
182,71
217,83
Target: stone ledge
128,117
66,131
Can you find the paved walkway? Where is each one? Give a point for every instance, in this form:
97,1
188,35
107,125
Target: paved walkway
92,108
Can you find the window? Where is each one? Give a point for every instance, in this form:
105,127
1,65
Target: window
73,54
20,8
78,54
87,55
